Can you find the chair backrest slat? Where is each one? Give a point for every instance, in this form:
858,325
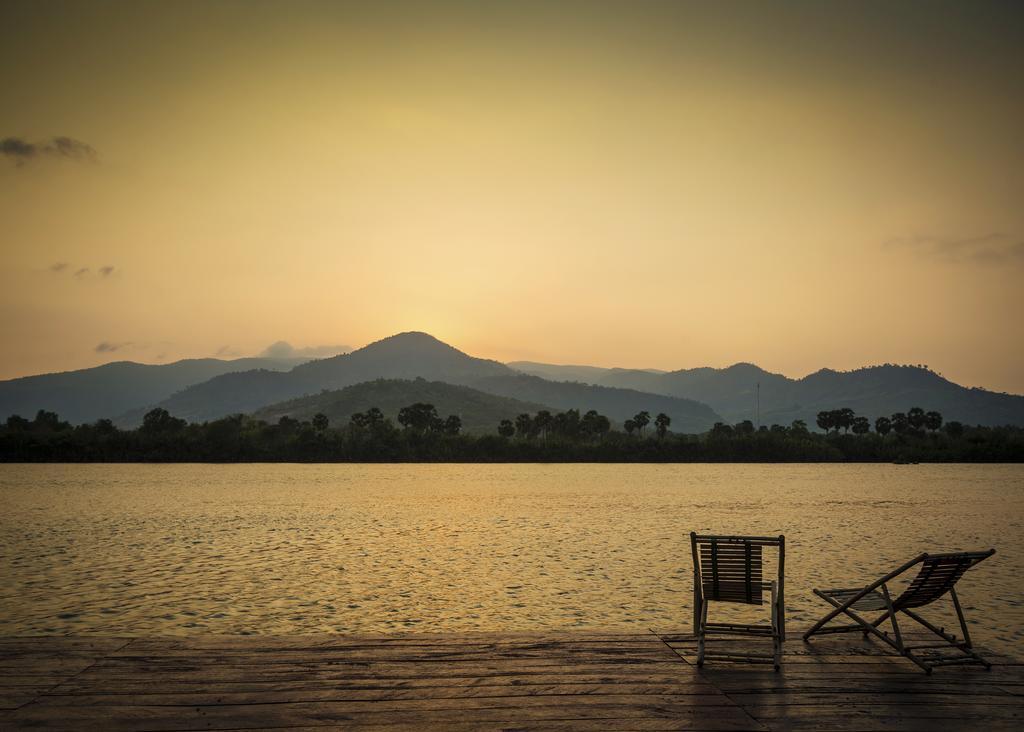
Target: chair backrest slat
937,576
731,567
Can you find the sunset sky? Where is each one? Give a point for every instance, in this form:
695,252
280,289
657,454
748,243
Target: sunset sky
636,184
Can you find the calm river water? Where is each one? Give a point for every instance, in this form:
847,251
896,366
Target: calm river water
187,549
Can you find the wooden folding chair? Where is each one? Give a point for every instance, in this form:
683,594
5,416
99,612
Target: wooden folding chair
729,569
937,576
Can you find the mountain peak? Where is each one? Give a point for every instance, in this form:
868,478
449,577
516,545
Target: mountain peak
412,340
745,367
411,336
400,356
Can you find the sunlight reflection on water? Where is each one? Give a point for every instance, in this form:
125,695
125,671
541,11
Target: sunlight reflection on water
182,549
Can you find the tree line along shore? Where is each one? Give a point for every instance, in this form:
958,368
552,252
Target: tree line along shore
422,435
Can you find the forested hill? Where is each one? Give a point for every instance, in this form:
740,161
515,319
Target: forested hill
617,404
479,411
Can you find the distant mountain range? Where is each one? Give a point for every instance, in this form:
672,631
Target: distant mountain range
478,410
872,391
411,355
584,374
112,389
417,367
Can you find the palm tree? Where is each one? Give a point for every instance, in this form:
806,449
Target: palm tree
420,417
661,423
524,425
883,426
542,422
320,422
641,420
899,423
629,425
506,428
916,418
157,420
826,421
746,427
933,420
373,417
861,426
593,424
453,425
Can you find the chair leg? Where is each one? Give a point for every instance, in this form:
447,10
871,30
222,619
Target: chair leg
965,647
892,617
960,617
701,632
904,651
776,629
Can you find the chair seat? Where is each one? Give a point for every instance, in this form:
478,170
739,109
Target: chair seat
874,600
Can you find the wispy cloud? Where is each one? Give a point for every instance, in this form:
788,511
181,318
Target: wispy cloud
992,248
22,151
110,347
82,272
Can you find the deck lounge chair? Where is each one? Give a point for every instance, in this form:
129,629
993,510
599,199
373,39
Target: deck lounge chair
936,577
728,569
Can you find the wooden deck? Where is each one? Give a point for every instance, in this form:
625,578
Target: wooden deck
564,681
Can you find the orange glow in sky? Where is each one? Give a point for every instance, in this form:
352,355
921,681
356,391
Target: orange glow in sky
634,184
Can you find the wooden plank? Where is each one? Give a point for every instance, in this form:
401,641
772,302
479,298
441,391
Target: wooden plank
707,696
842,723
637,653
314,641
633,724
155,684
61,643
861,685
427,714
369,675
492,698
978,714
933,698
559,725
